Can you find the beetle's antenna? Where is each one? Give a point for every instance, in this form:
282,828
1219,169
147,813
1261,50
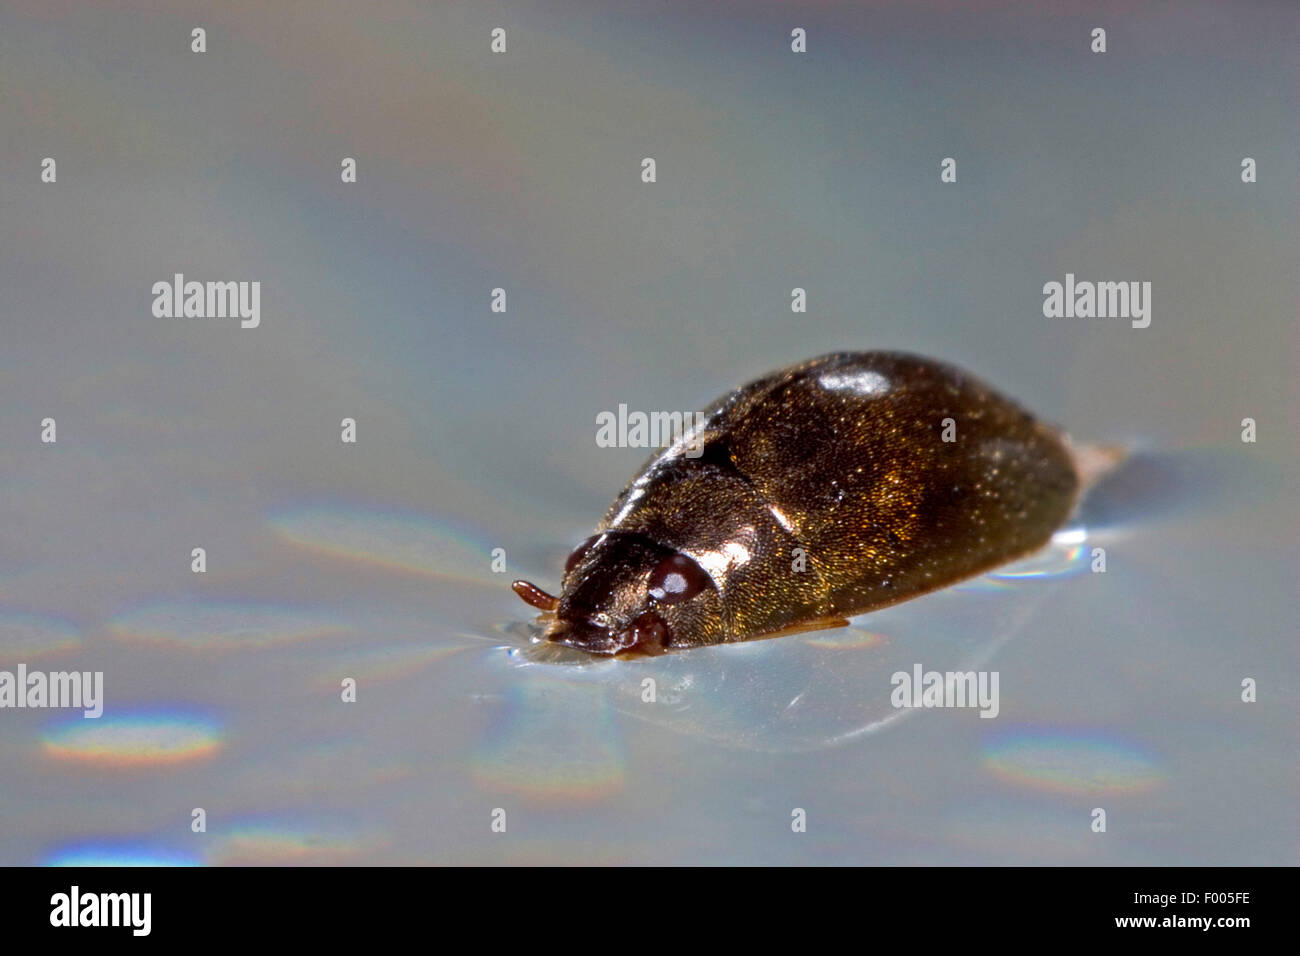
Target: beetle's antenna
535,596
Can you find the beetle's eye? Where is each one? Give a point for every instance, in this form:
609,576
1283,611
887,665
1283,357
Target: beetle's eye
579,553
677,579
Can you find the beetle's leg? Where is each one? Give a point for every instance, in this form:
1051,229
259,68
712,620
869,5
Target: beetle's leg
535,596
816,624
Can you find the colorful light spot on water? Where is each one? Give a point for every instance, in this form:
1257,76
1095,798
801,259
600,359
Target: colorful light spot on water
221,626
119,854
1064,556
272,842
139,740
27,636
403,541
552,740
1071,763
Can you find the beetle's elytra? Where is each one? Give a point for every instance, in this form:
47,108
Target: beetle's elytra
823,490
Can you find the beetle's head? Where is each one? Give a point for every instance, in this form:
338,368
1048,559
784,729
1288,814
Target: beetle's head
624,593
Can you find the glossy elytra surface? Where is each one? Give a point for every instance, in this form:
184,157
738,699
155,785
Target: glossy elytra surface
842,484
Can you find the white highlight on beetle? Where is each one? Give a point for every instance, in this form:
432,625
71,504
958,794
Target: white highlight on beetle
1068,537
863,383
731,555
781,519
946,689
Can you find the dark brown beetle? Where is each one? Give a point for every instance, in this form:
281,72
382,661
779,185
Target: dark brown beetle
822,491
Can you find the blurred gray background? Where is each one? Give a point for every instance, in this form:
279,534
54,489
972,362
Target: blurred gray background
476,430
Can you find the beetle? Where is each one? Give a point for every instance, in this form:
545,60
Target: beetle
820,491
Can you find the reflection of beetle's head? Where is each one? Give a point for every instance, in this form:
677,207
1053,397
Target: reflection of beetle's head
623,592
